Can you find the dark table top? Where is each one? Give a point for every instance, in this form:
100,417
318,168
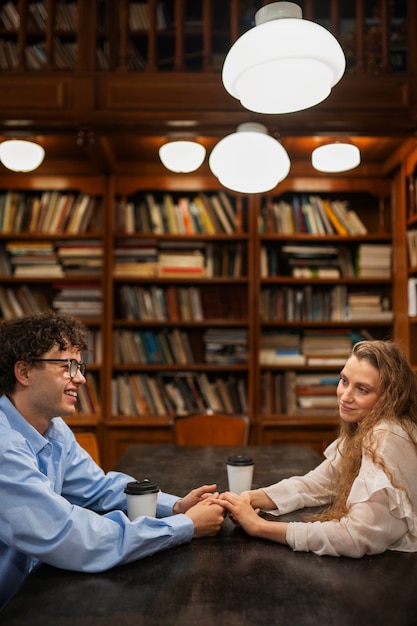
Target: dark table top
230,579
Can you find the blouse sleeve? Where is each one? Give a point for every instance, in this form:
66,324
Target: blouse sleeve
370,528
382,506
313,489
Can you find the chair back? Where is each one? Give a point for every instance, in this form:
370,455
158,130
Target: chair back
211,429
88,441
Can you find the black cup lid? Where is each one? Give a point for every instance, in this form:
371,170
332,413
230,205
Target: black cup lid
239,460
138,487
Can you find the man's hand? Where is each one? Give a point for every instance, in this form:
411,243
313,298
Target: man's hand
194,497
207,517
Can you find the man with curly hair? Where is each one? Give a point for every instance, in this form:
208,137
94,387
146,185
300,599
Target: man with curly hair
57,505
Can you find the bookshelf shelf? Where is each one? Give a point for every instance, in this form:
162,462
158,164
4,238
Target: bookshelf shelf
312,287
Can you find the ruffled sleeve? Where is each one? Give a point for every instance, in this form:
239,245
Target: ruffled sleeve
314,489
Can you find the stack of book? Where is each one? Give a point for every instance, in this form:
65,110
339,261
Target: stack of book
34,259
327,347
278,348
226,346
303,261
316,391
135,257
83,300
81,256
181,262
369,306
374,260
316,261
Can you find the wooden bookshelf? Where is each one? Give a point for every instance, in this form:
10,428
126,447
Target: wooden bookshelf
102,117
35,274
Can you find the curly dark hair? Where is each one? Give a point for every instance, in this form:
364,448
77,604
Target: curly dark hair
30,337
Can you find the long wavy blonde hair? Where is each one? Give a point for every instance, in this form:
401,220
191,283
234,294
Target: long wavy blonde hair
397,402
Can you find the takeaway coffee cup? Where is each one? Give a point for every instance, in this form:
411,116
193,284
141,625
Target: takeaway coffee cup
239,473
141,497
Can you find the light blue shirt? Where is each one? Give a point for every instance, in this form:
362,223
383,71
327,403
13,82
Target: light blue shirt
52,496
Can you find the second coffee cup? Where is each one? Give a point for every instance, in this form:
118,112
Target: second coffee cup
141,498
239,473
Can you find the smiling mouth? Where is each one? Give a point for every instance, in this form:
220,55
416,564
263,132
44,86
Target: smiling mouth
73,394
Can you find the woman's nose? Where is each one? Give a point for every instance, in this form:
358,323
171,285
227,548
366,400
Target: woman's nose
346,394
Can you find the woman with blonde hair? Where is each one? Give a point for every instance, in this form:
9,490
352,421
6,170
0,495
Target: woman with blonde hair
368,480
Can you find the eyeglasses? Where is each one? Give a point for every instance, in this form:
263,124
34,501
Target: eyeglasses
73,365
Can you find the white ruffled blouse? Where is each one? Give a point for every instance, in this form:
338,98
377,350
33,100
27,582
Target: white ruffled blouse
381,515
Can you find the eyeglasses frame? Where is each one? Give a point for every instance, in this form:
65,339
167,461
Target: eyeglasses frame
81,366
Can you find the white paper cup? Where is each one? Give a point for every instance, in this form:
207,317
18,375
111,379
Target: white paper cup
240,473
141,499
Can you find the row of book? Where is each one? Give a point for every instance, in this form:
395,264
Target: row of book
204,213
161,304
8,54
50,212
325,261
85,301
177,394
412,296
21,300
412,195
188,259
412,247
312,214
164,347
295,393
65,14
139,16
174,303
334,304
310,347
88,401
217,346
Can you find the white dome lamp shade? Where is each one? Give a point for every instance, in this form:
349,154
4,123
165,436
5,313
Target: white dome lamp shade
249,160
20,155
336,157
182,156
284,64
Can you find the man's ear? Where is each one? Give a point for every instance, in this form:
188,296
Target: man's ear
22,372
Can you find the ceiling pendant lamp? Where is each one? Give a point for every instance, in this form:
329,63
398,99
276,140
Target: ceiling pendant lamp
20,155
249,160
336,157
182,156
285,63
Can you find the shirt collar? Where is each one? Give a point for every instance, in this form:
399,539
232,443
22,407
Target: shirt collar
11,416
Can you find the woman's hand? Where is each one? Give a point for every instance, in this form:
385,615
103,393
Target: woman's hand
241,512
259,499
194,497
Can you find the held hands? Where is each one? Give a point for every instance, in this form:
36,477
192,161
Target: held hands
201,506
242,512
194,497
